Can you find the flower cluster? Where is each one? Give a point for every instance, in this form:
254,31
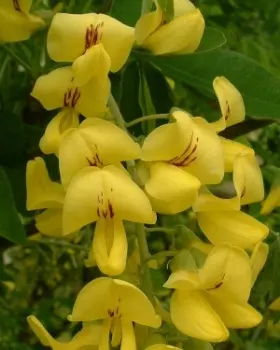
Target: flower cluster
107,178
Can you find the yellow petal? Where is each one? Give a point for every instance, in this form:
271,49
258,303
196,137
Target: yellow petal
105,335
97,142
159,144
206,201
275,305
66,119
16,24
172,188
231,103
232,149
110,246
225,268
147,24
50,222
192,315
41,191
183,280
272,200
247,179
128,336
87,337
94,192
232,227
70,35
258,259
180,36
235,315
45,338
182,7
94,62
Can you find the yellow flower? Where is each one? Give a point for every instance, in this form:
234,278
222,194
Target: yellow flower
231,104
181,155
208,301
275,305
94,42
272,200
87,338
16,23
96,142
66,119
57,89
42,193
258,259
107,196
180,36
118,304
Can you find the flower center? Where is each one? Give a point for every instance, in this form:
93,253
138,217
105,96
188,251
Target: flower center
71,97
189,154
104,208
93,35
16,5
95,161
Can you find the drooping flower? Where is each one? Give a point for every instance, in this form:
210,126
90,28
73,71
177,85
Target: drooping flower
43,193
87,338
178,167
94,42
96,142
57,89
180,36
16,23
118,304
107,196
208,301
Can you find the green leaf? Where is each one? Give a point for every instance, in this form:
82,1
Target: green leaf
167,7
10,225
259,87
126,11
212,39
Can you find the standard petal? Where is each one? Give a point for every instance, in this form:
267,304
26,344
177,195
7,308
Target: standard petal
232,149
192,315
148,24
233,227
180,36
66,119
134,305
171,187
94,300
247,179
275,305
94,62
258,259
226,273
41,191
183,280
110,246
159,144
50,222
50,89
45,338
235,315
231,103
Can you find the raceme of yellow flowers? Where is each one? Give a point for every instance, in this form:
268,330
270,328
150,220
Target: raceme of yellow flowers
107,178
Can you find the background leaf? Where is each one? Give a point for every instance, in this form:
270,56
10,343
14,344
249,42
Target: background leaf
126,11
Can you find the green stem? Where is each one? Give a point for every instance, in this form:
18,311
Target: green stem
18,59
140,228
146,6
146,118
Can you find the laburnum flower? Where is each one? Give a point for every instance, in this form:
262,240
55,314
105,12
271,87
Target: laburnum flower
16,23
107,196
181,156
97,143
258,259
272,200
119,304
43,193
208,301
86,339
94,43
179,36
